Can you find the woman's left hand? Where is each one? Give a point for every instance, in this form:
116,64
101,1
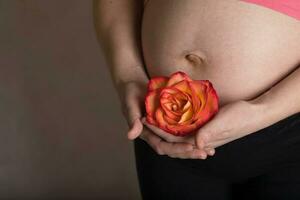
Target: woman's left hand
233,121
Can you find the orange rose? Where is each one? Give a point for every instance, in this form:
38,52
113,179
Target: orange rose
180,105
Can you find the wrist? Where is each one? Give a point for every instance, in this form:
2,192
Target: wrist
269,109
123,85
123,74
121,81
260,104
262,115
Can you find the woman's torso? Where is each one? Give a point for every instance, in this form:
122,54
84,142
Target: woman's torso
244,48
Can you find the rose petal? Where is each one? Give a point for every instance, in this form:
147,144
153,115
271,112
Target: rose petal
175,116
157,82
166,104
169,120
171,114
181,130
199,94
177,97
159,115
210,107
173,93
187,115
180,102
177,77
185,87
186,106
181,99
182,86
151,104
151,120
175,129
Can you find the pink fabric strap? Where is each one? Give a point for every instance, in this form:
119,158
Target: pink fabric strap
288,7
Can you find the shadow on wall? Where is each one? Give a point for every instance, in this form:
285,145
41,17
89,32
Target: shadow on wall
62,132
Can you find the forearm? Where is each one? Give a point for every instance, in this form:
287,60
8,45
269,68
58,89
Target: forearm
281,100
118,25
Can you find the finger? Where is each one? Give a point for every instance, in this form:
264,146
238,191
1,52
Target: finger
162,147
210,151
194,154
170,138
174,148
134,115
134,111
200,144
136,129
218,143
167,136
151,139
201,139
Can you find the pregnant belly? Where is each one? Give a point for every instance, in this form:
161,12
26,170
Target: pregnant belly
243,49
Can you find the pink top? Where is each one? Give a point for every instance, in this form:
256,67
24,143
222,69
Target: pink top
288,7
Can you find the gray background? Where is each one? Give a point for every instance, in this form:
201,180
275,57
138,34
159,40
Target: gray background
62,133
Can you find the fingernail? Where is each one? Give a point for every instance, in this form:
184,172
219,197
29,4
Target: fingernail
203,156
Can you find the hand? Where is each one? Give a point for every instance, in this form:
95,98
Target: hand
170,144
233,121
132,95
181,150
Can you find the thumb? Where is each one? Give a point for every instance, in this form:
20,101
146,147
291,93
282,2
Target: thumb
134,116
135,130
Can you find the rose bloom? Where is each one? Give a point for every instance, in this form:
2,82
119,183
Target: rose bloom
180,105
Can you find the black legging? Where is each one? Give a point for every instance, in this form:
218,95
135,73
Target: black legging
262,165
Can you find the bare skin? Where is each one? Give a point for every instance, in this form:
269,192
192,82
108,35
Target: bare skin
249,53
244,49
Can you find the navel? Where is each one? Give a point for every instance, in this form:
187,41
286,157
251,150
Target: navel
196,58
